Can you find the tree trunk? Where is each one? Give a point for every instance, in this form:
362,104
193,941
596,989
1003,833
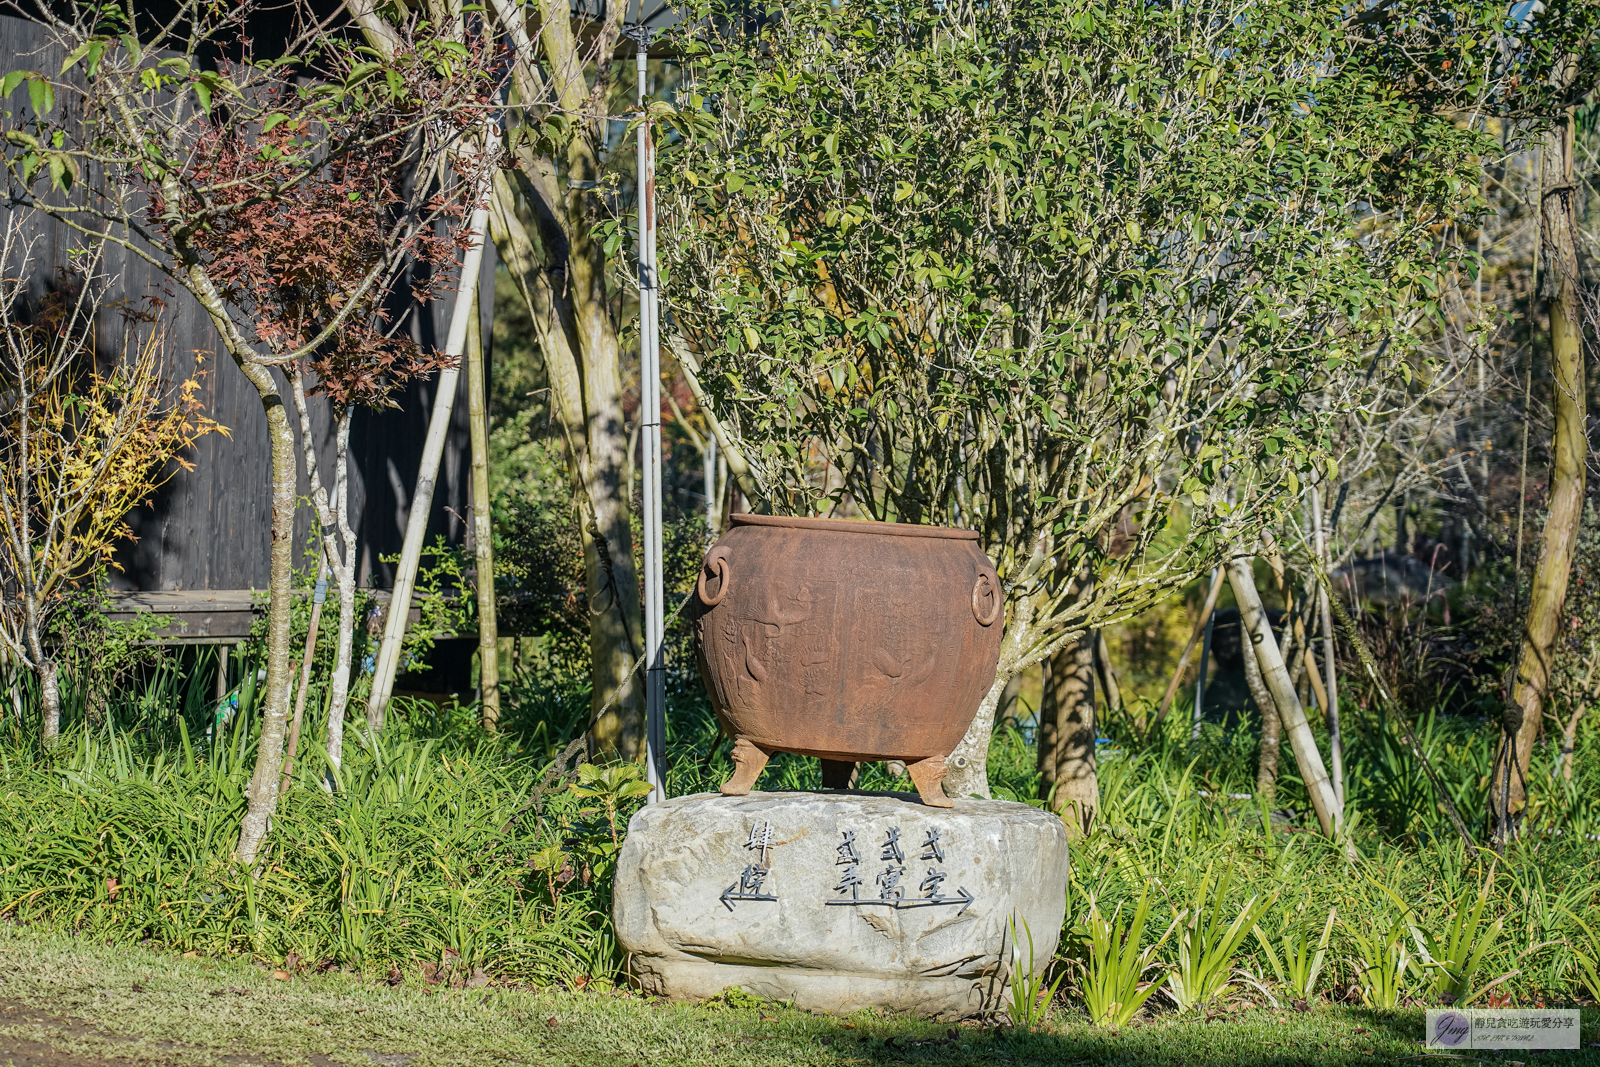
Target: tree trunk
262,792
44,666
482,527
1508,788
338,555
1271,729
968,762
1069,694
1330,814
49,698
345,575
595,444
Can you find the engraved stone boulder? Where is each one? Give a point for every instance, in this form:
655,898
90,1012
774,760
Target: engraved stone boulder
842,901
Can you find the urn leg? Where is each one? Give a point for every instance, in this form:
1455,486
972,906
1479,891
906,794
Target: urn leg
749,760
926,776
840,774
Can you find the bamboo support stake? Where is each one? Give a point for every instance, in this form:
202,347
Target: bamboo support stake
1108,674
482,524
1330,813
1183,661
394,627
1316,686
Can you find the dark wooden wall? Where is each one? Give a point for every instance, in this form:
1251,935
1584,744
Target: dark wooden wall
209,529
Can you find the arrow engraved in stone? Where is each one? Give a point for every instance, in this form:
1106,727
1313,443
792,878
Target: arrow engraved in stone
729,896
962,897
748,887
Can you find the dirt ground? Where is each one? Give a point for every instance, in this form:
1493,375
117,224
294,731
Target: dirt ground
30,1037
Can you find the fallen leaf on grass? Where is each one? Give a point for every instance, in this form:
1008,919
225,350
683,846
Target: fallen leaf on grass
550,1021
280,976
191,954
137,988
1363,1030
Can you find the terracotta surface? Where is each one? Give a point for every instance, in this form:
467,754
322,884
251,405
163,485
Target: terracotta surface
848,641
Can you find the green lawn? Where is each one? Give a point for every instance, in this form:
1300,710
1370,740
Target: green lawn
76,1004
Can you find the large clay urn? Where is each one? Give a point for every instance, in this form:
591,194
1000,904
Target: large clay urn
846,640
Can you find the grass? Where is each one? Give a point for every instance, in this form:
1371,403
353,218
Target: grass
420,867
419,858
136,1004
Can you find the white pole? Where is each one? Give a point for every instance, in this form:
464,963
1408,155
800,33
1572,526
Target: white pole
1205,664
1335,738
394,627
710,472
650,410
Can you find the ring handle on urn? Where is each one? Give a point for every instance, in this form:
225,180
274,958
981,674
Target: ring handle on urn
717,563
987,588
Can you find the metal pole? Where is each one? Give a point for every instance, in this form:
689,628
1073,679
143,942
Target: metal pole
650,410
1205,663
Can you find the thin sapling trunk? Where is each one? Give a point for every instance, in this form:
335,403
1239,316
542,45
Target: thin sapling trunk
338,554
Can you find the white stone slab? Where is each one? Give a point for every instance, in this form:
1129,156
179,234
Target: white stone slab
918,933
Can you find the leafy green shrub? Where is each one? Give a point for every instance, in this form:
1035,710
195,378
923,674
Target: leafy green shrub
1031,992
1457,951
1208,941
1296,960
1385,967
1111,975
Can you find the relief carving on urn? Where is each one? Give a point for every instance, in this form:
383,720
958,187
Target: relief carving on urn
847,641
